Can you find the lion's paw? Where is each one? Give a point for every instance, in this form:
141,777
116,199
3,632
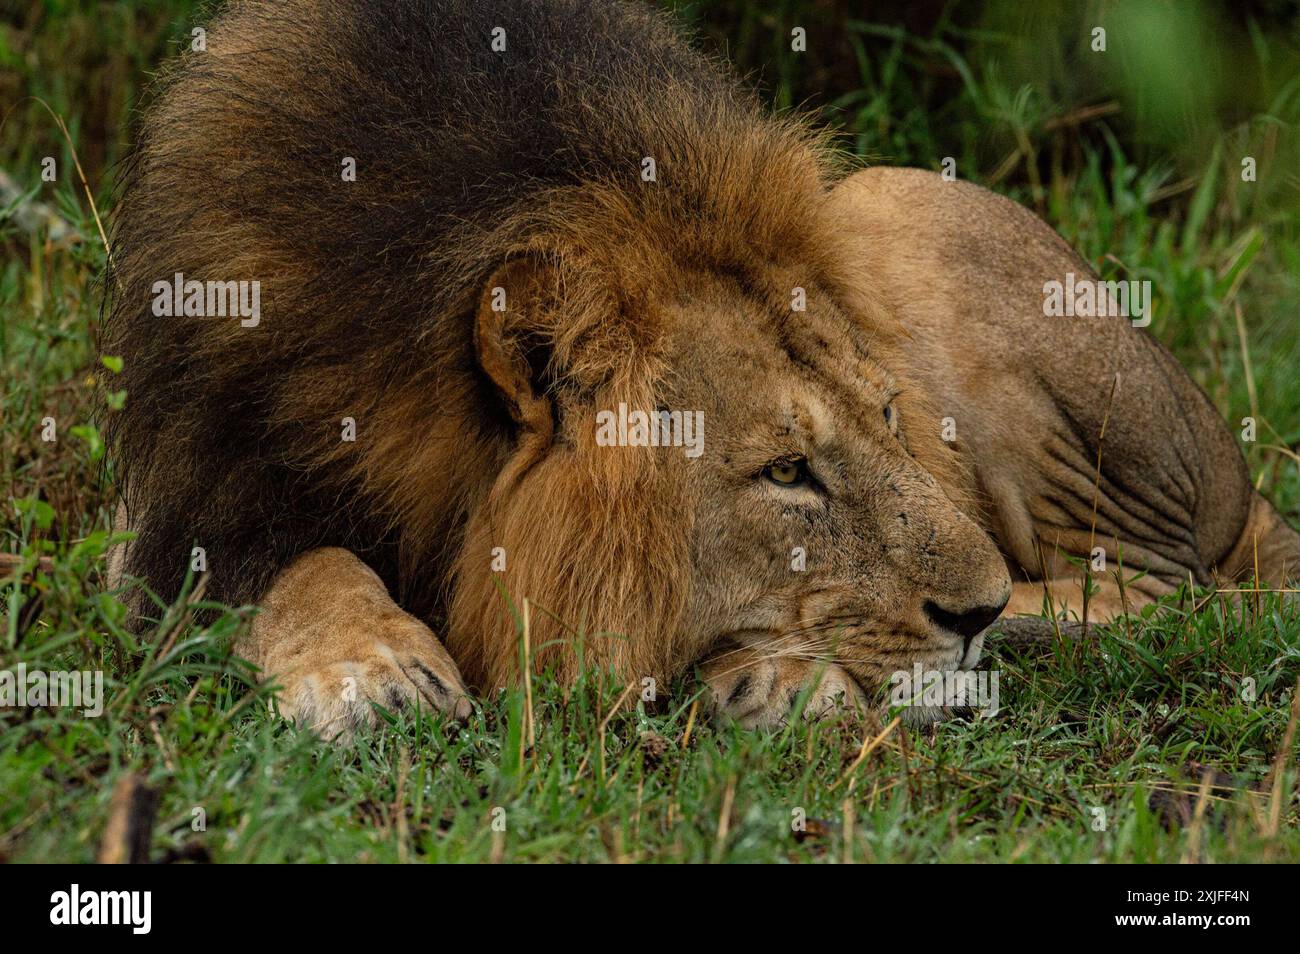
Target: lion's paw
761,693
333,692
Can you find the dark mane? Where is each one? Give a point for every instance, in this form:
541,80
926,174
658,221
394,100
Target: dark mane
230,438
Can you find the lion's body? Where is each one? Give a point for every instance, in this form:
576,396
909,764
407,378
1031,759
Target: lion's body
522,169
963,270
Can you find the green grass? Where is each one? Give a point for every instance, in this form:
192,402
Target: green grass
1118,725
1128,722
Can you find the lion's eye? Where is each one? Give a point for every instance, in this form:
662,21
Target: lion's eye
891,418
787,473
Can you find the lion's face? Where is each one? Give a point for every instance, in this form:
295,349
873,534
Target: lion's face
804,517
811,521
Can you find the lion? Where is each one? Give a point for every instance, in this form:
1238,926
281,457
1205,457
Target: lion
474,233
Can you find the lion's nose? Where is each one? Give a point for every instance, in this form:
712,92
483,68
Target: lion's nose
967,623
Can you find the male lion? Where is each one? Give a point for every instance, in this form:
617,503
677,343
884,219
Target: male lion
474,225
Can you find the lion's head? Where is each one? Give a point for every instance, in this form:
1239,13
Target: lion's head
800,490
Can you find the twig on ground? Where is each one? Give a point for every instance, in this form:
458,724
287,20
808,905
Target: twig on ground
130,823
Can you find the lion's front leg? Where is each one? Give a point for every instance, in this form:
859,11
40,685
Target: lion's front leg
1062,598
759,687
329,633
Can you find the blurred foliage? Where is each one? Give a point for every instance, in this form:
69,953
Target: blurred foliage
908,80
89,60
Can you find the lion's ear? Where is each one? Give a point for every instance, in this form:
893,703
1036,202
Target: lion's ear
510,340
